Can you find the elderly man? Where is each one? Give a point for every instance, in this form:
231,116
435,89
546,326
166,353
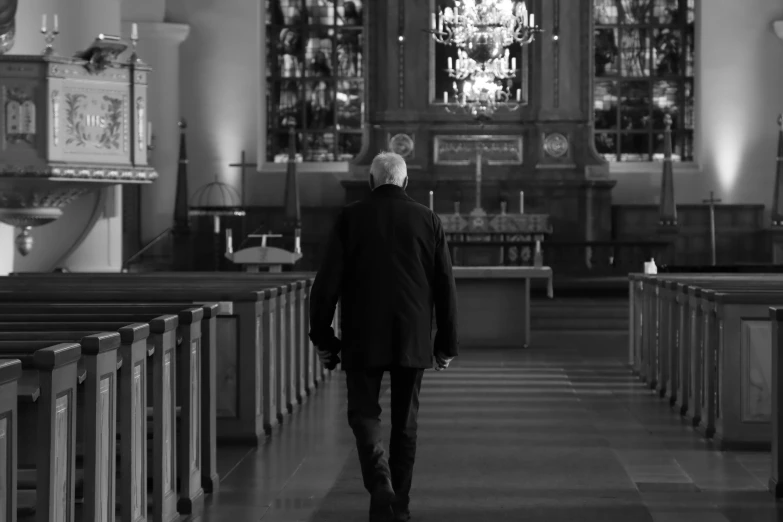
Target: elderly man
388,262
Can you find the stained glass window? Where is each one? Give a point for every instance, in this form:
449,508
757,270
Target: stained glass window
315,78
644,54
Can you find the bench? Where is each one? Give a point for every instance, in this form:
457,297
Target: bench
95,408
133,388
729,330
149,311
249,325
303,378
172,457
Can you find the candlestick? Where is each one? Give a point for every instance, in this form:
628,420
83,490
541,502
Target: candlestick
43,23
532,20
449,63
56,28
432,200
445,97
519,95
521,202
134,31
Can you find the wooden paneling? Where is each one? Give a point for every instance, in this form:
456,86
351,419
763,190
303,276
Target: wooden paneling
740,237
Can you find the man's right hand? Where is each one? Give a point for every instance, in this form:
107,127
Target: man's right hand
442,362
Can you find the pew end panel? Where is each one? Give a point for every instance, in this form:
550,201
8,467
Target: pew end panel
132,410
55,431
191,495
10,373
163,333
743,383
240,370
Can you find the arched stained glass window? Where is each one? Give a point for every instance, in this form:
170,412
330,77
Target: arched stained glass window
315,78
644,58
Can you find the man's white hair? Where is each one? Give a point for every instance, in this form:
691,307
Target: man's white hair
389,168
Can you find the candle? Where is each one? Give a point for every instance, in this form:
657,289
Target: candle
134,31
445,97
433,23
432,200
521,202
229,242
43,23
56,27
440,24
297,244
449,62
514,64
216,220
519,95
532,20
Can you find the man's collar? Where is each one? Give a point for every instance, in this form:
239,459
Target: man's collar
389,191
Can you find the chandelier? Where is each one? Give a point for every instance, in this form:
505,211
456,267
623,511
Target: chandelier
482,31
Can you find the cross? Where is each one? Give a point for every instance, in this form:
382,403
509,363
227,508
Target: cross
243,165
711,202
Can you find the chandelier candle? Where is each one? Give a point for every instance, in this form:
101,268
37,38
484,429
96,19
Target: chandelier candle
521,202
432,200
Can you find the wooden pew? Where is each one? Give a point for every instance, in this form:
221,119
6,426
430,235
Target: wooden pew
716,392
179,456
309,370
10,372
680,340
96,414
218,290
644,300
47,416
147,312
250,325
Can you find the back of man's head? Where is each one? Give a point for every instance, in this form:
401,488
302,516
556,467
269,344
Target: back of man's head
389,168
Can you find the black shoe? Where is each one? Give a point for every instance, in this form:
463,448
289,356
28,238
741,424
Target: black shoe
401,513
381,500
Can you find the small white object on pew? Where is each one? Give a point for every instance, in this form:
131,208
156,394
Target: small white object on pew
650,267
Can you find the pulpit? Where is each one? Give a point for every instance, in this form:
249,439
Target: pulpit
69,126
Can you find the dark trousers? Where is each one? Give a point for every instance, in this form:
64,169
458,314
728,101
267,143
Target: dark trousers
364,417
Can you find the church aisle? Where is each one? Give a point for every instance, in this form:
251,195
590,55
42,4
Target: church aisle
561,432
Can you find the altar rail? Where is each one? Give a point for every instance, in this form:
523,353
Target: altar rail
598,258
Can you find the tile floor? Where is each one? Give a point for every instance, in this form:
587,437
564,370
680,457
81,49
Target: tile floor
559,432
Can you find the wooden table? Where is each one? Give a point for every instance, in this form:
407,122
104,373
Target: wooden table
493,304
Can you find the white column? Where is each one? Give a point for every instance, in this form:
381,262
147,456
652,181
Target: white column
159,48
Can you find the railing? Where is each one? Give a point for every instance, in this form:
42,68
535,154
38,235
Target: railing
135,257
576,257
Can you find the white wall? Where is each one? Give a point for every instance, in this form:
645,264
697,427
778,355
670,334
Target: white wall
219,86
739,94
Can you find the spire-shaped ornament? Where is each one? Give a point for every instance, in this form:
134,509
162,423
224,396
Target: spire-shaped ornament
667,211
777,201
293,211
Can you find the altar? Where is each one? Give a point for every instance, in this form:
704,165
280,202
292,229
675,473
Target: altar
493,304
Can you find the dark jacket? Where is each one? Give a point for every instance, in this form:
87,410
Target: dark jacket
388,262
